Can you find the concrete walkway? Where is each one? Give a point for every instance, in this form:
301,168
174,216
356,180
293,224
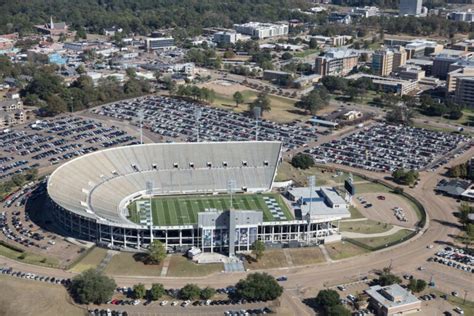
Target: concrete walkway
325,253
166,264
355,219
392,231
106,260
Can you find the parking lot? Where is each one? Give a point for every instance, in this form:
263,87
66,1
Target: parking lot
50,142
455,258
176,119
384,148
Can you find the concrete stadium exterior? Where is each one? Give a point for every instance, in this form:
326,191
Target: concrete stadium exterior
90,195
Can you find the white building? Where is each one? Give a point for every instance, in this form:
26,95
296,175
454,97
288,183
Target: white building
366,11
463,16
159,43
262,30
225,37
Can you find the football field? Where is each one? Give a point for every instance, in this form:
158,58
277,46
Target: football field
183,210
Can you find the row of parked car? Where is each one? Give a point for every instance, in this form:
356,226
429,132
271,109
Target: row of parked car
32,276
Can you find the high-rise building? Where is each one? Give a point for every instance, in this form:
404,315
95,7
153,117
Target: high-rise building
464,94
336,62
410,7
399,57
382,62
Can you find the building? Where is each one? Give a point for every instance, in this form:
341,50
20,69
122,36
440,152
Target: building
462,16
91,194
392,300
442,62
390,85
224,37
399,57
111,31
338,40
352,115
382,62
341,18
411,73
262,30
410,7
159,43
415,48
466,45
274,75
453,76
366,11
455,188
53,28
336,62
11,113
464,93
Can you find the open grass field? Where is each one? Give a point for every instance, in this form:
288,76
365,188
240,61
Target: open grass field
304,256
342,250
180,266
125,263
28,257
183,210
365,227
281,258
24,297
382,241
282,109
271,259
91,260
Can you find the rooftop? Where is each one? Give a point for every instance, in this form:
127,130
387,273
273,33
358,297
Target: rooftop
391,296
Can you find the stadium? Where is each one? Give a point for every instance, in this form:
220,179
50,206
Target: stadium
216,196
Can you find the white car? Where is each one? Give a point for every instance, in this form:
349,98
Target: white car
136,302
459,310
163,303
174,303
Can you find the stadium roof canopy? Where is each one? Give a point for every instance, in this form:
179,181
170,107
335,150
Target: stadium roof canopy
100,185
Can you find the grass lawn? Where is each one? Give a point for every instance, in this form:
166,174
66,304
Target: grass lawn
304,256
468,306
24,297
355,213
365,227
344,249
182,210
180,266
91,260
323,177
27,257
381,241
271,259
306,53
370,188
124,263
282,109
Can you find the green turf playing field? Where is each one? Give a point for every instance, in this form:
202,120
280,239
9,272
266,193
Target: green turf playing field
183,210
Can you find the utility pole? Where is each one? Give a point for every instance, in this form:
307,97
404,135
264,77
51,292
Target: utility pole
141,115
230,189
257,112
465,295
311,183
149,192
197,116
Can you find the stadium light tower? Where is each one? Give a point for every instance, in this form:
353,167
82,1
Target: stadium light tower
149,192
197,116
311,184
230,189
141,115
257,112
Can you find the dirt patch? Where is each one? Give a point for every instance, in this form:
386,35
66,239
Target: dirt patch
382,210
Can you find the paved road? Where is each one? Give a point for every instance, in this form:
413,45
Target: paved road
404,258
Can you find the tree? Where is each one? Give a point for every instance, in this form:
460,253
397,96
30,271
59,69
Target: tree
262,101
338,310
156,292
207,293
313,43
286,56
328,299
157,252
259,286
190,292
405,177
258,248
388,279
399,115
417,286
139,291
316,100
238,98
92,286
54,105
131,73
302,161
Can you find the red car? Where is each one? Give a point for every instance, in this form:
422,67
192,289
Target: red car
381,197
